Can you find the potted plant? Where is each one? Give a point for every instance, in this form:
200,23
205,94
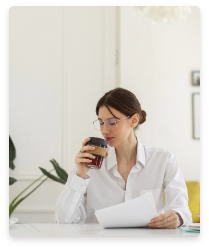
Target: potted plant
61,178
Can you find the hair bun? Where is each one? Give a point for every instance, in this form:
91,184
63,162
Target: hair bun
143,116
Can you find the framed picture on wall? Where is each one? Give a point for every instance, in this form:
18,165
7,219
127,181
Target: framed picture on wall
196,78
196,115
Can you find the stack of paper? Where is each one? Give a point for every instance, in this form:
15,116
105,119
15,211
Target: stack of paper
193,229
196,228
134,213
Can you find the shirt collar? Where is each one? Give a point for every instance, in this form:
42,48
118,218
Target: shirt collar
140,156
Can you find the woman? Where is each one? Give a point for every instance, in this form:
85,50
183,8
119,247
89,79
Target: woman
128,170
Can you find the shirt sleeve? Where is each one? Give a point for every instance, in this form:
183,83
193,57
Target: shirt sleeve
71,204
176,191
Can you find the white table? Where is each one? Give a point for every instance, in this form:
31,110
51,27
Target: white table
91,230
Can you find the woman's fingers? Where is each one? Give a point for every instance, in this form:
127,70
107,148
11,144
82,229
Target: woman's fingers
88,147
86,155
106,155
166,220
85,141
83,160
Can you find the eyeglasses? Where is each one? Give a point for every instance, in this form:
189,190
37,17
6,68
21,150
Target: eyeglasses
111,124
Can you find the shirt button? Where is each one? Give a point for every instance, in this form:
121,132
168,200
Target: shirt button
81,185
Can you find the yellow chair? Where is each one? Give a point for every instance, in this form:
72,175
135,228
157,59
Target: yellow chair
193,188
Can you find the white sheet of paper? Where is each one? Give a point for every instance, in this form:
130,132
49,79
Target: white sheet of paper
134,213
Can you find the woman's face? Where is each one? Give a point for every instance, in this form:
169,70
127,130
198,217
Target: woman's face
122,130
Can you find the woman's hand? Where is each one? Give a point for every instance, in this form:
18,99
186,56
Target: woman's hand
170,219
81,159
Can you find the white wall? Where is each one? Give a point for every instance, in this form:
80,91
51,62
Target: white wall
35,104
156,61
61,62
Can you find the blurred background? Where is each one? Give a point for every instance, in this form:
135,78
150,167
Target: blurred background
63,59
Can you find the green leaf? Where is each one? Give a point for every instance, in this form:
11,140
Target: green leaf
12,207
12,180
12,151
11,165
60,172
12,204
51,176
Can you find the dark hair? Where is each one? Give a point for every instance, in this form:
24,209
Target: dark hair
124,101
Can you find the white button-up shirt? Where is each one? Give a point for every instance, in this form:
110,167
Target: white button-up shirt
156,170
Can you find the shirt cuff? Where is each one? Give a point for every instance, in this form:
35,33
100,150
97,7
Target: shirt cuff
79,184
182,216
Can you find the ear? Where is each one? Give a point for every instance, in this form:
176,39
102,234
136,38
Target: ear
134,120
